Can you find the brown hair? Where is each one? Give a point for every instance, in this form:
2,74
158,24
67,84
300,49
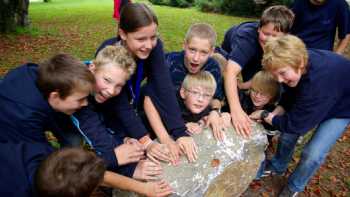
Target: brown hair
70,172
280,16
202,31
136,15
63,73
118,56
287,50
263,82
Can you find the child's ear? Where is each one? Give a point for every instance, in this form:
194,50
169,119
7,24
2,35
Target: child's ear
182,93
92,68
53,98
122,34
211,52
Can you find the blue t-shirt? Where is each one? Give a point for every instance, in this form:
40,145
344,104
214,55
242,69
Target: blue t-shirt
316,25
322,93
178,71
241,44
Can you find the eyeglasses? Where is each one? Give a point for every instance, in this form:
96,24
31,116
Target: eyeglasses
197,94
258,93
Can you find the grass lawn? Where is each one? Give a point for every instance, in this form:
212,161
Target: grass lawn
79,26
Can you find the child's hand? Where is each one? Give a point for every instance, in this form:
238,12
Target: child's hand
256,115
189,147
157,189
156,151
215,122
147,170
194,128
175,151
128,153
226,119
128,140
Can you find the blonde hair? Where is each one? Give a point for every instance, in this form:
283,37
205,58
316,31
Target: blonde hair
118,56
202,79
202,31
263,82
285,51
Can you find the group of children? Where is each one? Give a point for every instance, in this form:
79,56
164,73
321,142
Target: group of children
132,93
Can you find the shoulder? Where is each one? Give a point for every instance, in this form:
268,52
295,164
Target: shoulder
107,42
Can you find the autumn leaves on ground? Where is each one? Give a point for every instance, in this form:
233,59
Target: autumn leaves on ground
79,26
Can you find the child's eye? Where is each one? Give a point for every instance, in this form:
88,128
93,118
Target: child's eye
107,80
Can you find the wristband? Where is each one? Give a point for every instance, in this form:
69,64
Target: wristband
145,141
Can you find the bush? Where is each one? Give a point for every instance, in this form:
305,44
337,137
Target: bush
250,8
174,3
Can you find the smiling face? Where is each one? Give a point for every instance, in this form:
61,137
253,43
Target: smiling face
141,42
267,31
287,75
110,80
197,52
69,104
259,99
196,99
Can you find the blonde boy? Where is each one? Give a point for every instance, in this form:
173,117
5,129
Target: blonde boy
318,97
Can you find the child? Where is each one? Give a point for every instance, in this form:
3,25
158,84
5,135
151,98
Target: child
36,98
318,97
138,33
67,172
112,67
316,22
198,47
262,95
243,47
71,172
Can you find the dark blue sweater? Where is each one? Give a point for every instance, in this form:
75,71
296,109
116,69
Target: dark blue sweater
18,165
25,114
178,71
161,92
316,25
242,46
322,93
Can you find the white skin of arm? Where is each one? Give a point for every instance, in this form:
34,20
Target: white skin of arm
240,119
343,43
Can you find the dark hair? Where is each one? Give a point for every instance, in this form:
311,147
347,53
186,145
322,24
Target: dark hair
280,16
63,73
136,15
70,172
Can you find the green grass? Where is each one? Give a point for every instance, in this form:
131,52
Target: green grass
79,26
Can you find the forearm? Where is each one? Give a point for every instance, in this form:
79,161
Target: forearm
279,110
230,84
155,120
115,180
343,43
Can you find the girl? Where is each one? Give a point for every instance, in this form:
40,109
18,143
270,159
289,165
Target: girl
138,34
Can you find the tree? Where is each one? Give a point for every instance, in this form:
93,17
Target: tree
13,13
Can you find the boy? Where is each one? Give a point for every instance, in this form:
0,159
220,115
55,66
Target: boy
318,97
316,22
37,98
198,47
243,47
71,172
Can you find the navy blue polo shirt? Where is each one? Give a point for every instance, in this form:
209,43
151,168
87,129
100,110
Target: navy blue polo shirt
322,93
241,44
178,71
316,25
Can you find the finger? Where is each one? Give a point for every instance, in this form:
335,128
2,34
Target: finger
152,158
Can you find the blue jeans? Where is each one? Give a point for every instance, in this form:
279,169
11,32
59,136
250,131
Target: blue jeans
313,155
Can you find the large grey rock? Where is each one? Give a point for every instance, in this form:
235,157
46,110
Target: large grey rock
222,169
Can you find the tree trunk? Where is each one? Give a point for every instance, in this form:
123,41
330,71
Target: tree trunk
13,13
